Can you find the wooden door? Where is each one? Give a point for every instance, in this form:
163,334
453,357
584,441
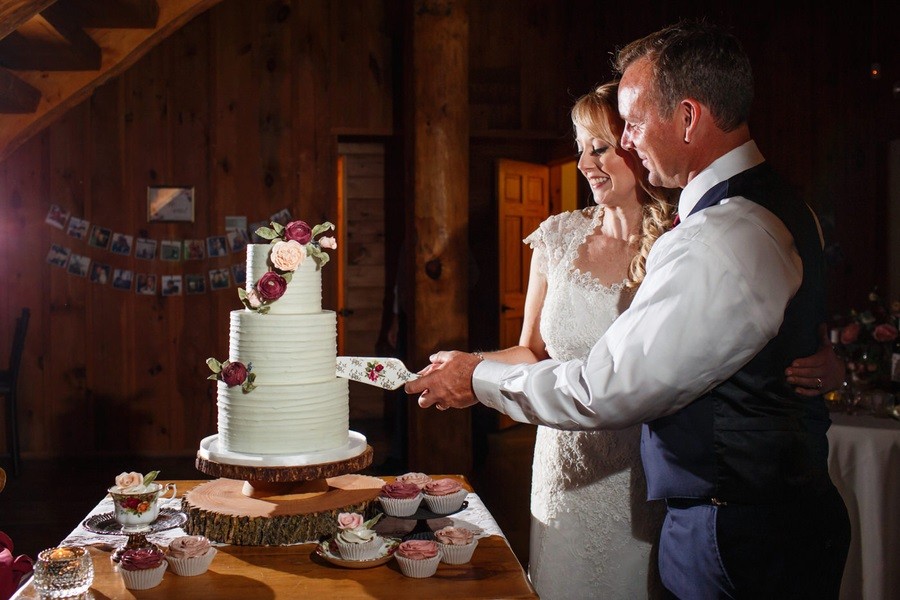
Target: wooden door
362,273
523,200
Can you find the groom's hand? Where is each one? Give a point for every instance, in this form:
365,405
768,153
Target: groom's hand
446,382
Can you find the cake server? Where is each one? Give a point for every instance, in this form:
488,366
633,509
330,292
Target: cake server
387,373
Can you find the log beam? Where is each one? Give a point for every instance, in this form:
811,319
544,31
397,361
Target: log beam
438,47
16,96
14,13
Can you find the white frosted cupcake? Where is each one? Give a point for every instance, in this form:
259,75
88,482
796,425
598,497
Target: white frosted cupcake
142,568
457,544
400,499
190,555
418,558
444,496
355,539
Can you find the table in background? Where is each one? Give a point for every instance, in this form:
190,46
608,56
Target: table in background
864,462
270,572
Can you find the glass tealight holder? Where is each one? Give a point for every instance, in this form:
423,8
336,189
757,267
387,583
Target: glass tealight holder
63,572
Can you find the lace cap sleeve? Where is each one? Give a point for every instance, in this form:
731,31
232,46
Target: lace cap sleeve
536,240
552,237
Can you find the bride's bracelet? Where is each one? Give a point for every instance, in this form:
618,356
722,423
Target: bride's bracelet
479,354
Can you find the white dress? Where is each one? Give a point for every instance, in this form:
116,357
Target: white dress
593,533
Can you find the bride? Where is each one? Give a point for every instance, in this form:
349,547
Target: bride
593,533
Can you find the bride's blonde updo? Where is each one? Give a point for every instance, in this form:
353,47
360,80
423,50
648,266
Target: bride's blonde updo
597,112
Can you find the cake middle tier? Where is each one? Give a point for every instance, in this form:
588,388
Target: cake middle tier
285,349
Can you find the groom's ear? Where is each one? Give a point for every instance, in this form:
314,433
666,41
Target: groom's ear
688,113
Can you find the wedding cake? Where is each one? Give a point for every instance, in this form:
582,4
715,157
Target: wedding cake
278,399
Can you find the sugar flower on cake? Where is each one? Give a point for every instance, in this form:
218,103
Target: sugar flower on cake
420,479
291,245
134,483
232,373
355,539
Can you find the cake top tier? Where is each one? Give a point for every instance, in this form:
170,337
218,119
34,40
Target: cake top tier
283,276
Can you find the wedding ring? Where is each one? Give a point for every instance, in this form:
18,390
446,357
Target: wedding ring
818,383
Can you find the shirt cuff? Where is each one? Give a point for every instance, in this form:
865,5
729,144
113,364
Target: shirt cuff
486,383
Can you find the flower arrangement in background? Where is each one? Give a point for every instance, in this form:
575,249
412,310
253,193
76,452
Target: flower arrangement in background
232,373
291,245
867,338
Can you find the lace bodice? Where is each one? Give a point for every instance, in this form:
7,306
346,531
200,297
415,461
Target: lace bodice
592,529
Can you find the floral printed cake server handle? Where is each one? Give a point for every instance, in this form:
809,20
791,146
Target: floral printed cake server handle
387,373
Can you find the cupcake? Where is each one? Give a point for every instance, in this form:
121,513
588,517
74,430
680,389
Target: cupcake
355,539
400,499
142,568
444,496
418,558
190,555
420,479
456,543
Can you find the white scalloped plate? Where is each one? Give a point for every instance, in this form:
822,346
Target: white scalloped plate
327,549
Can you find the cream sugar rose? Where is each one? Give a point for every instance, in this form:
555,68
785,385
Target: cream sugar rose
355,539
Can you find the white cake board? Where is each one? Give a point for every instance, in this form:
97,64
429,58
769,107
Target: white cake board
210,451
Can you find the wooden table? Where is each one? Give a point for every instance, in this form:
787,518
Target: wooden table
269,572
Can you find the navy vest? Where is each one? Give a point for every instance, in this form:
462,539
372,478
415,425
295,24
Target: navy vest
752,439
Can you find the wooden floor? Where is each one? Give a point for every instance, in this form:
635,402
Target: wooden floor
48,499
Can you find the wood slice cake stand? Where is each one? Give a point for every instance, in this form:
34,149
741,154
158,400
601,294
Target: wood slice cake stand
273,506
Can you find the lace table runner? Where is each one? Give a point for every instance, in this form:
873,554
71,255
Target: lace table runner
476,517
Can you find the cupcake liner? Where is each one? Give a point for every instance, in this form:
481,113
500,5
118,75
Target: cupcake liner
188,567
400,507
418,568
443,505
143,579
366,551
457,555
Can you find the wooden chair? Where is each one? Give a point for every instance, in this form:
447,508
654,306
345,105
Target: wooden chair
9,380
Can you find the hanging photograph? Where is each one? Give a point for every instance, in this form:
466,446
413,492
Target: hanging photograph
146,249
58,256
121,244
170,250
170,204
146,284
171,285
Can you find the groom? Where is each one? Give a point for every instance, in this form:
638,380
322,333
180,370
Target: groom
731,295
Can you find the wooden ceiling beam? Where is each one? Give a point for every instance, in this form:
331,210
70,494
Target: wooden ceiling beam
16,96
112,14
49,42
14,13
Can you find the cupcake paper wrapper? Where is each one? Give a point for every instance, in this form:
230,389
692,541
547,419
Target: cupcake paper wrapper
188,567
457,555
418,568
366,551
143,579
443,505
400,507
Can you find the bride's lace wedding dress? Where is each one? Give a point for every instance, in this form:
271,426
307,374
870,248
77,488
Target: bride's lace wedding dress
593,533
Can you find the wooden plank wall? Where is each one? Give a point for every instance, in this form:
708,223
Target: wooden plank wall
248,102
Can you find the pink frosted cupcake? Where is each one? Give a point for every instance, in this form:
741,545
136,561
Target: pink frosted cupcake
456,543
444,496
400,499
190,555
142,568
418,558
420,479
355,539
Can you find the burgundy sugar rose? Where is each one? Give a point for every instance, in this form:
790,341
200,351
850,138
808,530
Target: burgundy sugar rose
298,231
885,333
271,286
234,374
850,333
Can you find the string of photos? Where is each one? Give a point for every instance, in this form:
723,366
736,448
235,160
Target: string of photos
154,253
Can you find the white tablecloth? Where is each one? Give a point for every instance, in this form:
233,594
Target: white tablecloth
864,462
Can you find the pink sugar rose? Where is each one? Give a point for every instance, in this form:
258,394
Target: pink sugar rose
298,231
885,333
129,480
271,286
442,487
418,549
850,333
253,299
287,256
234,373
328,242
349,520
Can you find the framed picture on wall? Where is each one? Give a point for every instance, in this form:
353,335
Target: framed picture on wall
170,204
